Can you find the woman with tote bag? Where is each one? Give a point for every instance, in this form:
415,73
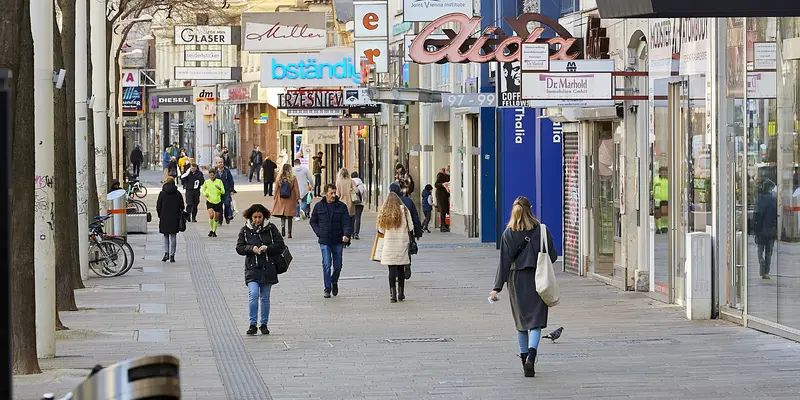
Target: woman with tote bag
526,267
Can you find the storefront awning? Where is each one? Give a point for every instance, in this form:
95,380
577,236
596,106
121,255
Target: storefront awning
404,95
694,8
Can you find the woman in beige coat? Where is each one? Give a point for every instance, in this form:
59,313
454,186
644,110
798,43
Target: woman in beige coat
286,199
394,222
344,190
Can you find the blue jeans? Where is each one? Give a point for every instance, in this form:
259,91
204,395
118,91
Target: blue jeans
331,255
528,339
304,206
226,204
263,292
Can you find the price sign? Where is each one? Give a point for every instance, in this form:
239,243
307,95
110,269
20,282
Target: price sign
469,100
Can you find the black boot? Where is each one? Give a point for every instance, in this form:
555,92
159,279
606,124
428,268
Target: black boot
393,293
523,357
172,259
529,361
166,257
401,295
252,330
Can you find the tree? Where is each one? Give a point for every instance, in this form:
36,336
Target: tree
16,53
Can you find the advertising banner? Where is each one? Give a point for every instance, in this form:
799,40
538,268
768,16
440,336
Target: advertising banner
430,10
202,55
130,78
284,31
330,68
509,90
518,146
204,34
694,45
132,99
311,99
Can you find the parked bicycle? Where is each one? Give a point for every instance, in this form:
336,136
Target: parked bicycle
109,255
136,188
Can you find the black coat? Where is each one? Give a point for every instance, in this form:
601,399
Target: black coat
269,170
169,208
765,218
442,195
260,267
193,181
330,222
256,158
136,156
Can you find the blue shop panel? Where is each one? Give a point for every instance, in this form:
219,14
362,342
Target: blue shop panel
517,175
550,178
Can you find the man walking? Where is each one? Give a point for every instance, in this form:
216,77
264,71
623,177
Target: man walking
304,182
224,174
136,159
193,181
256,159
269,175
318,167
331,222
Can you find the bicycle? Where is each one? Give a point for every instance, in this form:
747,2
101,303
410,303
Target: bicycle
107,257
136,188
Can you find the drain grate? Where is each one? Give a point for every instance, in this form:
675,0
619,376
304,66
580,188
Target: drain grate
448,287
419,340
625,342
354,278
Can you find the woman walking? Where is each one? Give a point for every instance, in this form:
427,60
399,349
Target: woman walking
519,252
169,207
358,203
259,241
345,189
285,205
394,222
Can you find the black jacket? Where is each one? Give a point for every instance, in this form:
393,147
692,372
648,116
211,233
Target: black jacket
269,167
260,267
442,195
169,208
330,222
227,179
256,158
765,218
194,181
136,156
173,169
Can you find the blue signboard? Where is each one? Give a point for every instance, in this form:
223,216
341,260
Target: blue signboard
549,204
517,175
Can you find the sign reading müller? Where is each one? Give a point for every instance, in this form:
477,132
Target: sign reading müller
284,31
570,80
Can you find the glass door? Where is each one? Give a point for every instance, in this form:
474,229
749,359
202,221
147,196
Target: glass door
677,210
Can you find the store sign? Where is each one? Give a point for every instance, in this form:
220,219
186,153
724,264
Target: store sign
663,48
202,55
204,94
129,78
371,34
765,55
469,100
535,57
492,45
311,99
323,136
509,87
430,10
132,99
357,97
317,112
168,100
694,45
762,85
327,68
566,86
204,34
284,31
208,73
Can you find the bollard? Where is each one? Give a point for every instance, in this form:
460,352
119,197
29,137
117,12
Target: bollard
144,378
118,208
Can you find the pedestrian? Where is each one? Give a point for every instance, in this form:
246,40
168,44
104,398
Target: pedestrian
137,158
330,221
765,226
394,222
259,241
285,205
225,175
182,165
358,203
427,206
169,208
173,168
217,151
193,181
519,252
269,168
412,208
345,189
305,183
213,190
174,150
226,157
256,160
317,169
405,180
165,160
442,194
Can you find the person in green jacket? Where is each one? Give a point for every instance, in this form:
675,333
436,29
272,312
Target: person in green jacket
213,190
661,196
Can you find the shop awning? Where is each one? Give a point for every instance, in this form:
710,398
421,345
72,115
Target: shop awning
405,95
694,8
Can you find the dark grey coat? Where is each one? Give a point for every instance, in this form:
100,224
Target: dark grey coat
260,267
527,307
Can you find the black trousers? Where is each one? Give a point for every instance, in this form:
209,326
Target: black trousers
443,211
255,169
137,167
317,185
192,202
268,186
427,220
397,273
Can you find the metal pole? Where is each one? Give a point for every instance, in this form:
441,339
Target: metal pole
81,130
44,246
97,15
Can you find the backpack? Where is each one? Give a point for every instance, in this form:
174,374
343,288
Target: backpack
286,189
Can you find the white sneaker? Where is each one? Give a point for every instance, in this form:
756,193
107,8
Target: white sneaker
297,218
303,214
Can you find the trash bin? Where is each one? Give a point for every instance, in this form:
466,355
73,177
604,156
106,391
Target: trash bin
154,377
118,208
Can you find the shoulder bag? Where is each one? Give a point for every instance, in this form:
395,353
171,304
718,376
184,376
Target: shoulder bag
413,249
546,284
283,259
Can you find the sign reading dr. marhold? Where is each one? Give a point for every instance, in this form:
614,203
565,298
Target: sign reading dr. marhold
311,99
204,34
566,86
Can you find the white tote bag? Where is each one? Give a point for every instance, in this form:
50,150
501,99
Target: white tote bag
546,284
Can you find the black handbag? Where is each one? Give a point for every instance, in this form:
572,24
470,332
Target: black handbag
413,248
407,271
283,259
182,221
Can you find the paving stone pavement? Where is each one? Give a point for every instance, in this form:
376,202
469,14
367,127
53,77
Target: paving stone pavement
444,342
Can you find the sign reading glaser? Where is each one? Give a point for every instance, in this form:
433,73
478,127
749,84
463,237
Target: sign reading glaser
328,68
204,34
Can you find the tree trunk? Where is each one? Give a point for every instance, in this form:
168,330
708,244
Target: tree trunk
71,219
16,53
66,230
93,206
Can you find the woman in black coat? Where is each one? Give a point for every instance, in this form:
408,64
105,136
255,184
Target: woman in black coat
170,211
259,241
517,267
442,200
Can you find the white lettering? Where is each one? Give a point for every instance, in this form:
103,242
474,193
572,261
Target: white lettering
519,129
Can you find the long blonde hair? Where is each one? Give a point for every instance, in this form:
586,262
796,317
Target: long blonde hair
392,214
522,218
287,173
343,174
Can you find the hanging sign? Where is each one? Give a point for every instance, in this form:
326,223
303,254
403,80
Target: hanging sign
501,48
310,99
371,34
202,55
762,85
130,78
535,57
132,99
284,31
204,34
765,54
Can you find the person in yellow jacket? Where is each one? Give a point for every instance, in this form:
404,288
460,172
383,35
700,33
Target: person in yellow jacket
213,190
661,197
182,162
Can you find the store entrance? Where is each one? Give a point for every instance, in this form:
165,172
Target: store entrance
605,199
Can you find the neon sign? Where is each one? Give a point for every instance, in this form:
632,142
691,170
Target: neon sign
493,44
324,69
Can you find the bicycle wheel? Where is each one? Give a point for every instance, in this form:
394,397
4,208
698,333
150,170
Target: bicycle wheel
128,254
107,258
139,205
140,191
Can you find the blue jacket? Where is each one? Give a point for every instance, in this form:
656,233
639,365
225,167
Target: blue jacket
426,194
227,180
414,215
330,222
165,159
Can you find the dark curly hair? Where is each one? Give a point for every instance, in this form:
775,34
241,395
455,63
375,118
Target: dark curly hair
256,208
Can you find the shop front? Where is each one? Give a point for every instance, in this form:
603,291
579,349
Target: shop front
245,120
173,121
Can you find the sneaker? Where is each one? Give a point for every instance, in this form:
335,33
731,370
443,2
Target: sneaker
356,237
264,330
210,233
303,214
297,218
252,330
765,276
214,233
335,289
327,294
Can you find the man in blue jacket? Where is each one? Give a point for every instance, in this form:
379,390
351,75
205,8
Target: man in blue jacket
331,222
395,188
225,175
